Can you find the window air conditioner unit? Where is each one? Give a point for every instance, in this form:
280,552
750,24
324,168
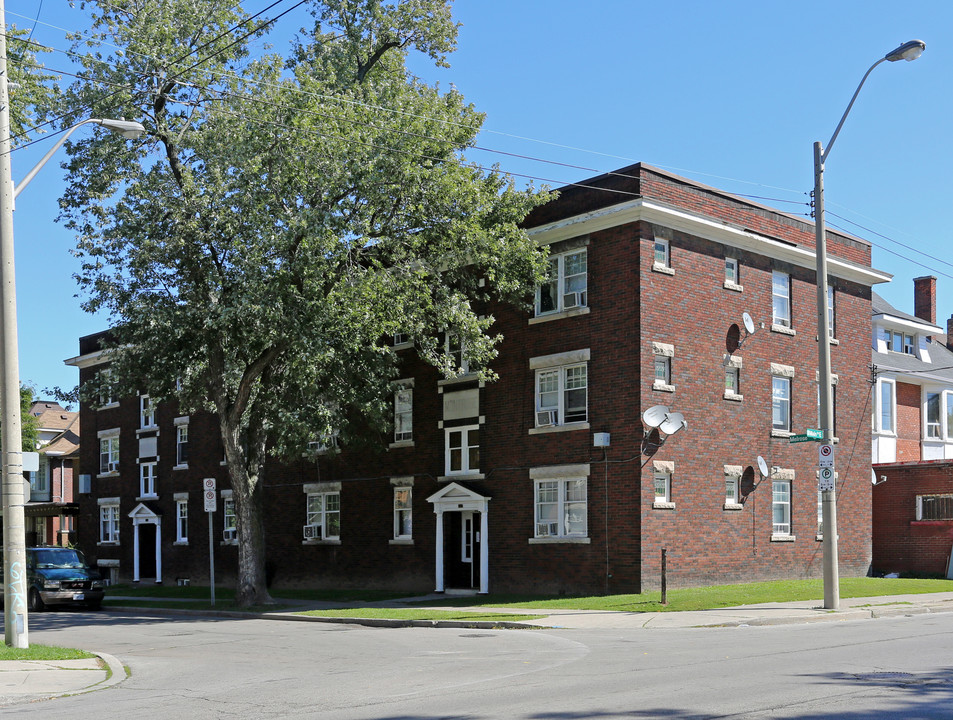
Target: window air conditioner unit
545,418
112,467
547,529
312,532
574,299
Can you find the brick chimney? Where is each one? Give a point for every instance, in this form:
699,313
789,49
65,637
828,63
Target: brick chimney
924,298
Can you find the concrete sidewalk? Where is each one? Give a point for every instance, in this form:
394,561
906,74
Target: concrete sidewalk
29,681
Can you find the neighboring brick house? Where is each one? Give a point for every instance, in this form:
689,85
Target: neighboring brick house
50,511
912,451
547,480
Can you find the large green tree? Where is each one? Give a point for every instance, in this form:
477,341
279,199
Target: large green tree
283,215
32,89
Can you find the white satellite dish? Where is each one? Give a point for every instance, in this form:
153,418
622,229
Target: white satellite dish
673,423
873,476
763,467
655,415
749,323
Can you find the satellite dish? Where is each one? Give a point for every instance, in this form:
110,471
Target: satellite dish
749,323
763,467
673,423
873,476
655,415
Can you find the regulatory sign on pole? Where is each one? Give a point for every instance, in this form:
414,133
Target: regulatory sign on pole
825,456
826,479
208,493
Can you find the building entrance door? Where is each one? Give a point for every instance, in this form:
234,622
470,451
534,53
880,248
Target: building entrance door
462,549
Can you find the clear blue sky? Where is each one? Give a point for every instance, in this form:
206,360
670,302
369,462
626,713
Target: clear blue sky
732,94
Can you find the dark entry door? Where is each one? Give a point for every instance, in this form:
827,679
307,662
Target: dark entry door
147,550
462,550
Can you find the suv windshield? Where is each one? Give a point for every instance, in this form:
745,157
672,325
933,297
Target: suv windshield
58,558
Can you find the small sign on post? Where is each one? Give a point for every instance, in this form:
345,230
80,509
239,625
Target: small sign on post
211,505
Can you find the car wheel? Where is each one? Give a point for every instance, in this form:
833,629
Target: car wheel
36,602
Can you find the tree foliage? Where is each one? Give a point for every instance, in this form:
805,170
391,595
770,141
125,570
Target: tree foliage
32,89
285,214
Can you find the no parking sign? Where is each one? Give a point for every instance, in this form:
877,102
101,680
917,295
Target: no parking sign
208,492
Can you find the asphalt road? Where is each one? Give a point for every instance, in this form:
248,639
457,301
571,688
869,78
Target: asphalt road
193,667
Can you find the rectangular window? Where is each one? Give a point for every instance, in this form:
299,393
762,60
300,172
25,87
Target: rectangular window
663,486
948,399
934,507
324,516
404,414
781,507
400,338
732,381
731,271
109,454
182,521
781,298
109,523
147,413
933,415
104,379
463,450
781,403
562,395
566,285
663,370
731,489
887,406
830,310
901,342
561,508
229,521
147,479
453,347
182,444
662,256
403,512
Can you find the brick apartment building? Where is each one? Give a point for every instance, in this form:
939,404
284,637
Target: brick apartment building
548,480
912,450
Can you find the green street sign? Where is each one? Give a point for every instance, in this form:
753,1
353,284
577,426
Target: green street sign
799,438
815,434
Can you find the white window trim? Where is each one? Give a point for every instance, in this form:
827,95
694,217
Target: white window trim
782,327
730,284
178,423
783,372
405,442
110,434
227,495
783,475
664,267
324,489
181,498
665,352
465,470
142,426
734,473
153,495
666,469
561,310
561,474
110,502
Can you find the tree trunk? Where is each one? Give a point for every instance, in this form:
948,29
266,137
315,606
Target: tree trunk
249,517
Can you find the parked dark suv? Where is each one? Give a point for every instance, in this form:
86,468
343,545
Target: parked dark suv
60,576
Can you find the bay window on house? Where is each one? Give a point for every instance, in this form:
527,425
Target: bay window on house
566,285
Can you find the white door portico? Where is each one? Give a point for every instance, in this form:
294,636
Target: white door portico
142,518
457,498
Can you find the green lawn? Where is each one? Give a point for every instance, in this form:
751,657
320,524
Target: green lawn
42,652
419,614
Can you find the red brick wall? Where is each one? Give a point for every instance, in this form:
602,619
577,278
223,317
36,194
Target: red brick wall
901,543
909,429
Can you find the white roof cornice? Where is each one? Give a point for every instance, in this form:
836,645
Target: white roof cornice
88,360
700,226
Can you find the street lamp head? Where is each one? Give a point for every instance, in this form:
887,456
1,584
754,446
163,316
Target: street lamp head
127,128
908,51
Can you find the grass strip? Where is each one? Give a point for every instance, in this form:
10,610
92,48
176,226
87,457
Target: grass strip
42,652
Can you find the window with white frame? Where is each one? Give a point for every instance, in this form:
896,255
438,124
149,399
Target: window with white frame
733,485
182,520
403,512
566,285
662,482
901,342
562,395
400,338
106,399
781,403
662,354
404,413
323,516
948,400
453,347
462,450
781,507
732,278
935,507
887,410
561,508
781,299
732,380
229,519
182,444
109,453
830,310
147,412
933,415
147,479
109,523
662,254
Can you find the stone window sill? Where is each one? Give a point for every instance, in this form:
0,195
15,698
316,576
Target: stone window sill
559,428
733,396
731,286
401,541
734,506
559,541
571,312
661,505
664,269
783,538
783,329
663,387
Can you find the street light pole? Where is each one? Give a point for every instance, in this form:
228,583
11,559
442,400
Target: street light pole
15,617
908,51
